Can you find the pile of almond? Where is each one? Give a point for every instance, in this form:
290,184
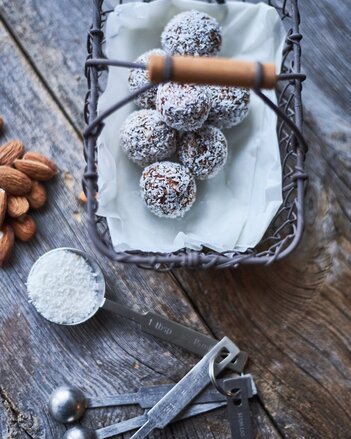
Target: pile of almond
21,189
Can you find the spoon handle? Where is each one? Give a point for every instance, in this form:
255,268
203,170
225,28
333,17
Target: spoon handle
134,423
191,385
121,427
115,400
147,397
180,335
123,311
172,332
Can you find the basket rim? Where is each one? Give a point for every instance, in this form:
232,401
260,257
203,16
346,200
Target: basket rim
184,257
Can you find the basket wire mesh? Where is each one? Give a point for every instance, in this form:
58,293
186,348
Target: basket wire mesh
285,231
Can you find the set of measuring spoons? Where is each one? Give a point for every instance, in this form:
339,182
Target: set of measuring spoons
189,397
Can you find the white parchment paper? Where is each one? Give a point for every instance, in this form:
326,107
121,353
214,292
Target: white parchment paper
232,210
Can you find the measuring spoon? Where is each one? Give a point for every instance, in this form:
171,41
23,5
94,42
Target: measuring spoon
150,322
80,432
68,403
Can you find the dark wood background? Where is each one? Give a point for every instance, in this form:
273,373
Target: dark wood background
292,317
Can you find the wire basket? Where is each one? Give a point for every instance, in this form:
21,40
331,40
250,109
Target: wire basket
284,232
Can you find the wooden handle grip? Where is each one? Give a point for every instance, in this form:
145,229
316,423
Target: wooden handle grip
215,71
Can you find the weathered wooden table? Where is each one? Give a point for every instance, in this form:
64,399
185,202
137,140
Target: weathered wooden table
292,317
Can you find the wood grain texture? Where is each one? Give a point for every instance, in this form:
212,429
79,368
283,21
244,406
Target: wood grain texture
292,317
106,355
54,40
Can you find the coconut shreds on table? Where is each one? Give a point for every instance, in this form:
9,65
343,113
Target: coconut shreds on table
63,287
192,33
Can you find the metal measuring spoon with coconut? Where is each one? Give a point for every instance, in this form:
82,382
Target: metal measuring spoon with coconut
67,287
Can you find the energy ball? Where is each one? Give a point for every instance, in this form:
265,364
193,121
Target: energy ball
184,107
145,138
204,152
192,33
230,106
168,189
139,77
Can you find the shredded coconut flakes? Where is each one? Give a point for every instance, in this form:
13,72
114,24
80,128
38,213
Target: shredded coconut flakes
168,189
204,152
63,287
184,107
139,77
230,106
192,33
145,138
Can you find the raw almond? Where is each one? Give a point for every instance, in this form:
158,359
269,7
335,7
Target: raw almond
10,152
36,170
37,196
14,182
24,227
7,240
37,157
17,206
83,198
3,206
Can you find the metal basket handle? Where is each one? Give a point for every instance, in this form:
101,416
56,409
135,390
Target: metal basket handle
203,70
216,71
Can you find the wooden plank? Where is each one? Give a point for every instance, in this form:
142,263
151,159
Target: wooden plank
296,334
325,26
50,36
294,317
106,355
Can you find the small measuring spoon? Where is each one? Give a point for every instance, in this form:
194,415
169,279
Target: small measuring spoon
150,322
68,403
80,432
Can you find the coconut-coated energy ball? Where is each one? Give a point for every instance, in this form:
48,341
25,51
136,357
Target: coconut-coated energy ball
139,77
204,152
145,138
184,107
192,33
230,106
168,189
